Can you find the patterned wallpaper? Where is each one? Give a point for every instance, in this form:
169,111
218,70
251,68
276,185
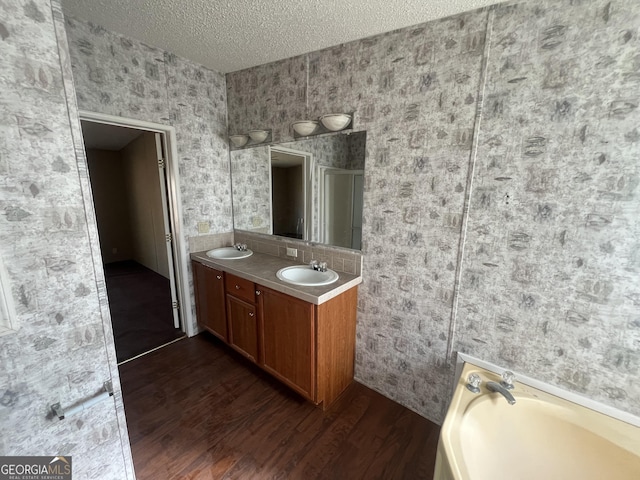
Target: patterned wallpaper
261,95
48,240
327,150
250,177
551,270
547,278
119,76
356,151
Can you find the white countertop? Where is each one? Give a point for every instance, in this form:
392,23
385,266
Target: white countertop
261,269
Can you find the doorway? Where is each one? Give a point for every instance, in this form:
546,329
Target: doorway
131,192
290,192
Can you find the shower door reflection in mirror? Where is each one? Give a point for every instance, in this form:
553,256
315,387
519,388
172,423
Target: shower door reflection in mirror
340,207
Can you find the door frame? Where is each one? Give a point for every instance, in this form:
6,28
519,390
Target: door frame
174,200
307,184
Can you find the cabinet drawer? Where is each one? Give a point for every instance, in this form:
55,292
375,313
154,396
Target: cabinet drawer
240,288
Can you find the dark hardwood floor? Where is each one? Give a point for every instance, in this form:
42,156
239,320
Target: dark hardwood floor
197,410
141,311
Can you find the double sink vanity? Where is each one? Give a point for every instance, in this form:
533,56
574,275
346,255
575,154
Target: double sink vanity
296,323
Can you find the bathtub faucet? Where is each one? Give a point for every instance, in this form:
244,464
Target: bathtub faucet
496,387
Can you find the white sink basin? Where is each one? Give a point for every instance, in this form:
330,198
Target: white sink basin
228,253
306,276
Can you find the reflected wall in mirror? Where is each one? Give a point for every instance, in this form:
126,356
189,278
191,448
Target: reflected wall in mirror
251,189
311,189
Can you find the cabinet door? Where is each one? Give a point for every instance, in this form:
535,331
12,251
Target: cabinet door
210,304
288,340
243,327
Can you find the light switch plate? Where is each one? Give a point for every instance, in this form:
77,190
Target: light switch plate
292,252
203,227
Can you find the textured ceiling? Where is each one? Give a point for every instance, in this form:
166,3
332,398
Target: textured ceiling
229,35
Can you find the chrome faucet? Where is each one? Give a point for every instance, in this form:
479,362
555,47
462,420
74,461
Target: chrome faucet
496,387
242,247
473,383
318,266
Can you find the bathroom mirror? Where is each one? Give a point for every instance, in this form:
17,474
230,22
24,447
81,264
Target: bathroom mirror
309,189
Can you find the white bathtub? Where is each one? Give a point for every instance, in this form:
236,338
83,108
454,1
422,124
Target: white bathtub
541,437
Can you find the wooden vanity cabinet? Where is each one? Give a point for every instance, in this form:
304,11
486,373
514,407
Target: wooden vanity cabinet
310,348
210,299
288,340
242,316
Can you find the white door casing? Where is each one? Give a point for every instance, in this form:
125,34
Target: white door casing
162,159
170,185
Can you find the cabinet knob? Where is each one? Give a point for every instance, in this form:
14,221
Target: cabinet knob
258,292
219,277
251,314
237,287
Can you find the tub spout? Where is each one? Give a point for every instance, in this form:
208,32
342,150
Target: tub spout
496,387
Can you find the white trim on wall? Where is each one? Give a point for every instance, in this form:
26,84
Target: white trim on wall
173,195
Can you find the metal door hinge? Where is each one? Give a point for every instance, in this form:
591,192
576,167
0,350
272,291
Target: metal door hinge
169,237
161,162
175,304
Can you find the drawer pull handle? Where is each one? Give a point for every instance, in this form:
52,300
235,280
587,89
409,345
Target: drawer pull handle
251,314
258,292
237,287
219,277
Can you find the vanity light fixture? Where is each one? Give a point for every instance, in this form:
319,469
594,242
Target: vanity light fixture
239,140
331,122
305,128
335,121
259,136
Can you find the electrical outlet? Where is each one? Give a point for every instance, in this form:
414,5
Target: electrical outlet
292,252
203,227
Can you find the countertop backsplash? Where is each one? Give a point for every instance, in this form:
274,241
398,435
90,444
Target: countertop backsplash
338,259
